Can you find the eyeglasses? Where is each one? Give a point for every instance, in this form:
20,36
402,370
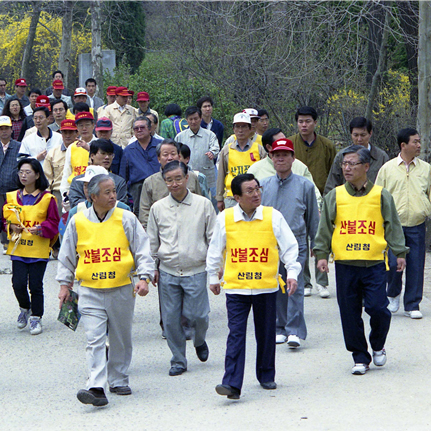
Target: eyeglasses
137,128
349,164
251,192
178,180
21,173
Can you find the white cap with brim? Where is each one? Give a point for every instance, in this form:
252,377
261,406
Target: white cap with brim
241,117
91,172
5,121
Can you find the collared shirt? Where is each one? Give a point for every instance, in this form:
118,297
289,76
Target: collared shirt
155,188
138,163
180,233
139,245
122,118
407,165
336,177
5,147
265,168
410,188
215,126
287,246
200,143
34,144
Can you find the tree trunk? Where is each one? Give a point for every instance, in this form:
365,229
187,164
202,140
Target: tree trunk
66,42
25,66
424,80
375,31
96,46
378,74
408,13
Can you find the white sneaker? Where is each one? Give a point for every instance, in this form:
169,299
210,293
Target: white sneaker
23,318
360,369
379,357
293,341
394,303
280,339
35,325
414,314
323,291
307,291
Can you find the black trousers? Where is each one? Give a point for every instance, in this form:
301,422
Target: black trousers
30,274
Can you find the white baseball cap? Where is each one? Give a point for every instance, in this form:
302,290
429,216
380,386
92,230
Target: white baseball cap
252,112
91,172
241,117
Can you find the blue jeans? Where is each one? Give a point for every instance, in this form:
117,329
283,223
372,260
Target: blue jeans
415,263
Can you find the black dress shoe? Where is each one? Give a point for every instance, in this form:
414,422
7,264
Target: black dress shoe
203,352
175,371
229,391
269,385
121,390
94,396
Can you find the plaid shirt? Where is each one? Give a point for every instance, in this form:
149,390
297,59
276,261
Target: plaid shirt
16,127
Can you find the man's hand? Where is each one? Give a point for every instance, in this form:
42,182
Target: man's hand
322,265
401,264
210,155
141,288
83,144
220,206
291,286
64,294
215,288
41,156
156,277
16,228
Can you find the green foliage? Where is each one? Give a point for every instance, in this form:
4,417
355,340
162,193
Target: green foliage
124,31
156,77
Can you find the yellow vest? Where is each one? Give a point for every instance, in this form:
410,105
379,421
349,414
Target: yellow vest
70,116
359,232
239,162
251,253
79,161
105,260
33,246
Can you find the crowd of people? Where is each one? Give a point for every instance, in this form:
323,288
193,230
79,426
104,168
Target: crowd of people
122,199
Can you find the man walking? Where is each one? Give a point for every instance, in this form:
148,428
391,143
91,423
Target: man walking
180,227
249,240
358,222
106,294
294,197
408,179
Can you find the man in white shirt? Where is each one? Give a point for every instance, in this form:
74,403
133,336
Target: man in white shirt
38,144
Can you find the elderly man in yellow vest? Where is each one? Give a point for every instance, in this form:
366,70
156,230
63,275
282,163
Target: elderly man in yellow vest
358,223
235,158
252,238
104,244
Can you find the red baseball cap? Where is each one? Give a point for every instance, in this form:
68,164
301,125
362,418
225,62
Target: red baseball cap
143,97
58,84
68,125
110,91
43,101
283,144
83,116
20,82
103,123
122,91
